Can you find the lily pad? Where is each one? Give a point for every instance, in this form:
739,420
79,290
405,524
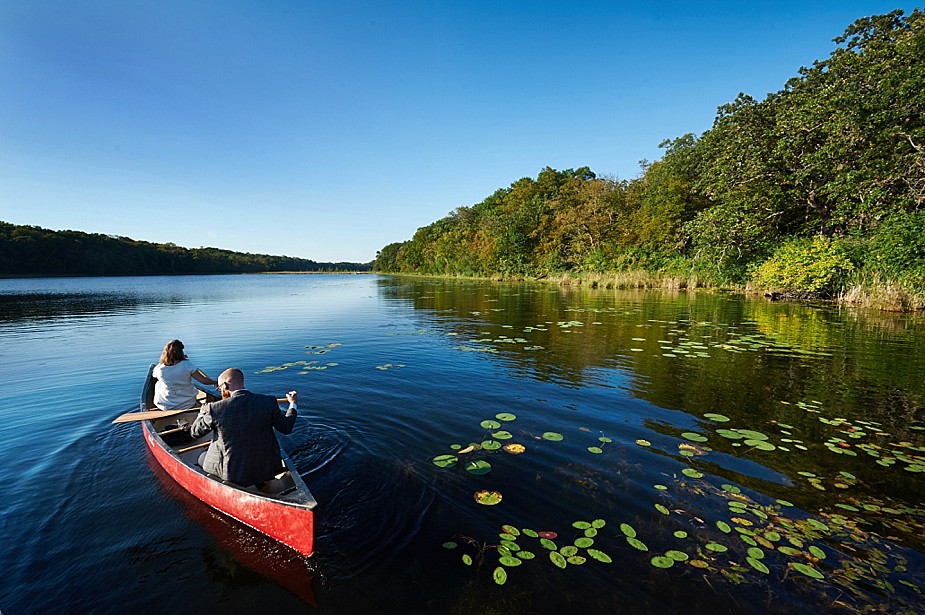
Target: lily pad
490,424
636,543
662,561
584,542
599,556
467,559
500,575
487,498
698,563
505,416
490,445
693,437
511,530
750,434
692,473
596,450
510,561
716,547
678,556
719,418
508,546
502,435
807,570
757,565
553,436
557,559
628,530
548,544
445,461
478,468
642,442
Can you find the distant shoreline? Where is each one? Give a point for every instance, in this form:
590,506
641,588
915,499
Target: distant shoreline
6,276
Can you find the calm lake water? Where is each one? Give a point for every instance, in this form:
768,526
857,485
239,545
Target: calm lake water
678,452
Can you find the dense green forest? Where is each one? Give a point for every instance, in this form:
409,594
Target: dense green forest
819,189
33,251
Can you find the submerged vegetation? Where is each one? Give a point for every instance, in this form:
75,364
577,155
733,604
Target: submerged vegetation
818,190
34,251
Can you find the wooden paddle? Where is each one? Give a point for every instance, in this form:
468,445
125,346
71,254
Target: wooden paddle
149,415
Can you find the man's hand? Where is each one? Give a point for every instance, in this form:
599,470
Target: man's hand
292,396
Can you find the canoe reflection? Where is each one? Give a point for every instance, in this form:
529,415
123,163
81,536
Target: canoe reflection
249,547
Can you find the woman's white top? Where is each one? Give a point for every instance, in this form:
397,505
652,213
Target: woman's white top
174,388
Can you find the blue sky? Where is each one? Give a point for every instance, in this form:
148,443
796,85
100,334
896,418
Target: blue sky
326,130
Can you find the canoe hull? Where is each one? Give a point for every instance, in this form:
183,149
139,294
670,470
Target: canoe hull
290,524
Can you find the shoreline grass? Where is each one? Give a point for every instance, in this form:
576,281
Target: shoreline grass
871,292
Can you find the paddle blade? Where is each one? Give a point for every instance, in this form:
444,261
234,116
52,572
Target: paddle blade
148,415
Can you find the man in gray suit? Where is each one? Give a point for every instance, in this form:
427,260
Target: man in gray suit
244,448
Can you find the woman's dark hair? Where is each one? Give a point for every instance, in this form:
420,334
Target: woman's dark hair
173,353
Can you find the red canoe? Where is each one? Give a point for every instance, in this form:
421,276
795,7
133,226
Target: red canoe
283,508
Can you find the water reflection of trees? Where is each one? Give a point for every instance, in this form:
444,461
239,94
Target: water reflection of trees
847,360
762,364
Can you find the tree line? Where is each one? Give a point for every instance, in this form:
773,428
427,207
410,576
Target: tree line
34,251
817,189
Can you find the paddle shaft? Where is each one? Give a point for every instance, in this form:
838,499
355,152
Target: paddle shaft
170,431
195,446
148,415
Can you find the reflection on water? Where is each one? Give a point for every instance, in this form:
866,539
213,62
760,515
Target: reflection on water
246,546
677,451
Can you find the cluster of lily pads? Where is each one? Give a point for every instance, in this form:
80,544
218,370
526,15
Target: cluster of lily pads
305,366
511,553
860,435
491,442
677,342
887,454
753,539
774,539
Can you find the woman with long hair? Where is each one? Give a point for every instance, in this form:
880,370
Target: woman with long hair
174,388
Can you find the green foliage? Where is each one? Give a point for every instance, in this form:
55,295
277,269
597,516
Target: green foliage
30,250
838,152
898,246
804,266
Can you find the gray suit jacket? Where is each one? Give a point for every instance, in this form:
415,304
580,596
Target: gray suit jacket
244,448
